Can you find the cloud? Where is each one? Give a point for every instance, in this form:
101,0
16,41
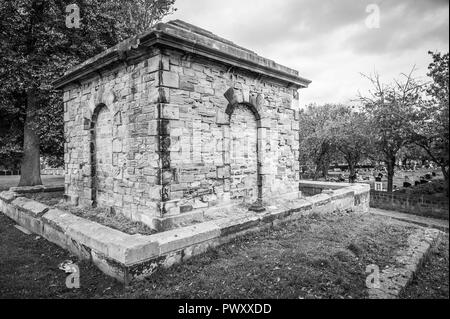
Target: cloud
328,40
402,28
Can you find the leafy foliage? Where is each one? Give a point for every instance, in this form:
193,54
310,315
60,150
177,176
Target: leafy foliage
412,152
331,133
36,48
432,129
351,134
316,148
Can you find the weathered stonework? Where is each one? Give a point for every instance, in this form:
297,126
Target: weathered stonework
176,120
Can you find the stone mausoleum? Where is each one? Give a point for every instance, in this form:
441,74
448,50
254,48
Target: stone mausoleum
178,120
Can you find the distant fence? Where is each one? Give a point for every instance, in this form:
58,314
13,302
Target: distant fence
5,172
422,205
52,171
44,171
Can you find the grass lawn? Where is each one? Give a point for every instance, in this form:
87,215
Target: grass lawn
314,257
6,182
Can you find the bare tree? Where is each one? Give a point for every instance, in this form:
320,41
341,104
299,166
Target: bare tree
390,108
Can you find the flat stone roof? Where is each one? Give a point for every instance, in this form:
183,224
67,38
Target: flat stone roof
189,38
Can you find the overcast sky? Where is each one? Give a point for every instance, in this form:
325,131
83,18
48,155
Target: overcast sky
329,41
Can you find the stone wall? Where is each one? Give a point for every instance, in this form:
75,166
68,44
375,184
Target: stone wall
215,155
112,140
427,206
160,137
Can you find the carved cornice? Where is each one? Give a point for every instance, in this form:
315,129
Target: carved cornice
185,37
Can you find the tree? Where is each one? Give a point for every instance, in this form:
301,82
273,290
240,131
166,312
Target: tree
390,108
137,16
37,47
431,129
350,134
412,152
315,143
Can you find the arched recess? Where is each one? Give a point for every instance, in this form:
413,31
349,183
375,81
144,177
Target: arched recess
245,164
101,156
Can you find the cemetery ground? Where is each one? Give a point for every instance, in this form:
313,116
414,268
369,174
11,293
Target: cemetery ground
319,256
399,177
6,182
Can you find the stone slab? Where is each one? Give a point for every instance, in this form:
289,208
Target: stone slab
36,209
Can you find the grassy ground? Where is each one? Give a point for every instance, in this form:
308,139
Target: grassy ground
29,268
49,199
432,280
315,257
7,182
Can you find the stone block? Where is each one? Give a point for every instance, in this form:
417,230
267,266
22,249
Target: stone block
32,207
8,196
170,80
170,112
175,240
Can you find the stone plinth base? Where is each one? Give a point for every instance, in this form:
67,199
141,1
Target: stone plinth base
129,257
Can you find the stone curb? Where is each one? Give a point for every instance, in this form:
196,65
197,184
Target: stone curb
393,281
126,257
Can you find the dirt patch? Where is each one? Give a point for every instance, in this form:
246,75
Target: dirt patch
108,218
50,199
102,216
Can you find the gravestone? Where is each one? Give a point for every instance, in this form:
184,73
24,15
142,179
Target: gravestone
378,186
179,119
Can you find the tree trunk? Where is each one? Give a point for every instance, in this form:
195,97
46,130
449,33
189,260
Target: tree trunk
445,173
390,173
30,170
325,168
352,173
